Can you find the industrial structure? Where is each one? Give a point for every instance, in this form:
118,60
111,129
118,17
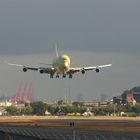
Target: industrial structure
24,94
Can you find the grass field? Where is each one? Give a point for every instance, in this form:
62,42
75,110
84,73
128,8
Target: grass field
63,121
31,118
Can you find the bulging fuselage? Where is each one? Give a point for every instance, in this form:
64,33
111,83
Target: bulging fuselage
62,64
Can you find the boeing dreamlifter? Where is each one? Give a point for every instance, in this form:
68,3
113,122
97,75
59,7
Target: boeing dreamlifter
61,65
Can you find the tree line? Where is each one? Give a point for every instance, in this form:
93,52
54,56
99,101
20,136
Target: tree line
40,108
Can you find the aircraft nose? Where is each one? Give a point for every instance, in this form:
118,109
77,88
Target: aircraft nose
66,64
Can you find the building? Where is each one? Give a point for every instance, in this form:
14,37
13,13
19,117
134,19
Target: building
132,97
136,96
119,100
5,103
96,103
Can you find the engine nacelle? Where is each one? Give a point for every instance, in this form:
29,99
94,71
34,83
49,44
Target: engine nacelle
97,70
41,71
83,71
24,69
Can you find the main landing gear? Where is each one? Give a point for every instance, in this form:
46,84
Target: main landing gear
63,76
70,76
51,75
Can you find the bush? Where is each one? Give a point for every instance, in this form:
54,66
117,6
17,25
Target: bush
131,114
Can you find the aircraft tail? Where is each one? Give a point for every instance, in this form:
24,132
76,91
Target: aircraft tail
56,50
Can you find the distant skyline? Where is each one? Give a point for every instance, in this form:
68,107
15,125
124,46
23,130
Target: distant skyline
91,32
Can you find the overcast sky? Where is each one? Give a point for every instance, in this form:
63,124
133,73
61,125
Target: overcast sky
92,32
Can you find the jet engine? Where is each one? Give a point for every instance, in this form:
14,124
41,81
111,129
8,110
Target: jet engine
83,71
41,71
24,69
97,70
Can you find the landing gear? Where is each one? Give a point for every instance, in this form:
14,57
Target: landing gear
64,76
51,75
70,76
57,76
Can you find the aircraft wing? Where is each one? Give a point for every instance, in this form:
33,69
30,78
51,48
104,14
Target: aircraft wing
25,68
48,70
84,69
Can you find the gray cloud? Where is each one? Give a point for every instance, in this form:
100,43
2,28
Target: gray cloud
92,32
34,26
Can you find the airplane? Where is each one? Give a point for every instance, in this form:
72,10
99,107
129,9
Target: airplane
61,65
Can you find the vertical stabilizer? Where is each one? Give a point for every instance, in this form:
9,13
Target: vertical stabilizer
56,50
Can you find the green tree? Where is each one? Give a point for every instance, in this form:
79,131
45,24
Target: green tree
77,103
109,109
39,108
68,109
11,110
27,110
129,107
136,89
138,108
81,109
52,109
95,110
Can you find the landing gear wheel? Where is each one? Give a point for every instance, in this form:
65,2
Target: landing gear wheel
51,75
64,76
70,76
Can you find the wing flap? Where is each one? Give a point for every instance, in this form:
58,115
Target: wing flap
79,69
97,67
73,70
31,68
48,70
